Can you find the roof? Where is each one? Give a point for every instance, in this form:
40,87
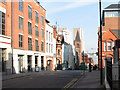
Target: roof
113,6
116,32
77,37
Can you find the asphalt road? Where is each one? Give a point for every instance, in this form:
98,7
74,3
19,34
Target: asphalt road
57,79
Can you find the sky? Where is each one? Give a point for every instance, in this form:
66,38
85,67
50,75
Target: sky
77,14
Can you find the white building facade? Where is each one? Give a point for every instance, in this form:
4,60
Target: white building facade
50,44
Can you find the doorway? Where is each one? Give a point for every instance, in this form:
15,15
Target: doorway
49,65
20,63
29,63
42,62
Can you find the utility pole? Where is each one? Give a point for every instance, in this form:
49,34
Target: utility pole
101,73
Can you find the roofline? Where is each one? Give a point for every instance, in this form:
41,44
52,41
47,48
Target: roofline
39,4
113,33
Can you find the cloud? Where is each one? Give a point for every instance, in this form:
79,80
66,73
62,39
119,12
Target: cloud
69,6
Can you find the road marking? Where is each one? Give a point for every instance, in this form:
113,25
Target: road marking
70,83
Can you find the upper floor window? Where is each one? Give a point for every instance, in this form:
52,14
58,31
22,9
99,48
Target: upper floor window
21,23
2,23
109,44
36,31
29,28
42,19
42,34
36,17
21,5
29,43
36,45
29,12
51,37
20,40
46,47
42,46
46,35
104,46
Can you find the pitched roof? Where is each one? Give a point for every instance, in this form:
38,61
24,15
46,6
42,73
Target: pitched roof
113,6
116,32
77,37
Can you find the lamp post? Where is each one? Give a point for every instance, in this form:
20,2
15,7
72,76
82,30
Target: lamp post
101,70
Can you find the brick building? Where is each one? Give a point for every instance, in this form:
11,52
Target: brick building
28,34
5,36
110,30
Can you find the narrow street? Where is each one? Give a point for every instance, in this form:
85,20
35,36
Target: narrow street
58,79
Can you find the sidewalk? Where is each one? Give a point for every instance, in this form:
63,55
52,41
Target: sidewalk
12,76
89,80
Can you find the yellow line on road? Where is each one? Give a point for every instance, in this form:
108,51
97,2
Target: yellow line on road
70,83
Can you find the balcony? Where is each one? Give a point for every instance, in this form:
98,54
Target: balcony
37,48
29,46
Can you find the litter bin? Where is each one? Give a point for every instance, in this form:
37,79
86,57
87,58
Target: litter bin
37,69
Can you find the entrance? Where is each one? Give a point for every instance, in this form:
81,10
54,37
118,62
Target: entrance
29,63
20,63
36,61
49,65
42,62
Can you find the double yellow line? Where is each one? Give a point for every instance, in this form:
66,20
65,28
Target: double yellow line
70,83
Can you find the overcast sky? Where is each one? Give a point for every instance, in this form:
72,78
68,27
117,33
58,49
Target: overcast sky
77,14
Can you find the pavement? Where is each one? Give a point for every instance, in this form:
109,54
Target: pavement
89,80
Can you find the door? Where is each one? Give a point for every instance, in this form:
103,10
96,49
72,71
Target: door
49,65
29,63
20,63
42,63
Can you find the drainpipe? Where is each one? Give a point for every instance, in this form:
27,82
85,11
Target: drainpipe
12,37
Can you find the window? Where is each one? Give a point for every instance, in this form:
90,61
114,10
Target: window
36,17
46,35
104,46
42,47
36,31
21,23
42,19
46,47
20,40
58,52
42,35
29,43
49,36
29,12
109,46
29,28
49,48
21,5
36,45
2,23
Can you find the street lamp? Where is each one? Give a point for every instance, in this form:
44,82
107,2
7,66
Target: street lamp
101,73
